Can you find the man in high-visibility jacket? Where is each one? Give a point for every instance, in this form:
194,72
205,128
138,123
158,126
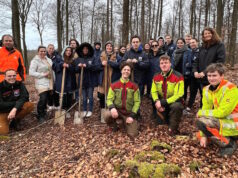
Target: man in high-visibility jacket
218,118
167,92
11,58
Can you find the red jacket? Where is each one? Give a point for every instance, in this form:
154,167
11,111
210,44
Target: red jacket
12,60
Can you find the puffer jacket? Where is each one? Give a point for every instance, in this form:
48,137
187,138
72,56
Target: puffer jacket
37,69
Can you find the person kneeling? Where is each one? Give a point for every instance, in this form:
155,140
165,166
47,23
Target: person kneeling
14,102
123,101
218,118
167,92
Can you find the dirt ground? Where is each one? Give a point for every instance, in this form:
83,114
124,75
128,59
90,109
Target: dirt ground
81,151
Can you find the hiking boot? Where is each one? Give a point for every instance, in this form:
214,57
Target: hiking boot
229,149
15,124
41,120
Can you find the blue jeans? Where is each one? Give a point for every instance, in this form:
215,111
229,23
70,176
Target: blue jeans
88,94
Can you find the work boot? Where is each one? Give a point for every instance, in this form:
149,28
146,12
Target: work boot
229,149
15,124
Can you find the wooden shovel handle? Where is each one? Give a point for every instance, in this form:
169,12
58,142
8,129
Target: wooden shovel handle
62,88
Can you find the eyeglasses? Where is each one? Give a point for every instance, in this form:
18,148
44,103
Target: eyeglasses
154,46
42,51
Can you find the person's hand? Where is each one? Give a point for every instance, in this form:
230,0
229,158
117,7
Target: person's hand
196,75
80,64
161,109
134,61
202,74
65,65
12,114
84,65
158,105
46,74
104,63
129,120
129,60
114,113
203,142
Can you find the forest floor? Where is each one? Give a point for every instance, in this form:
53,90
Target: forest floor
92,150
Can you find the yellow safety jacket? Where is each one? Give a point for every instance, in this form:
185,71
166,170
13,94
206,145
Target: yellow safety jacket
167,88
222,104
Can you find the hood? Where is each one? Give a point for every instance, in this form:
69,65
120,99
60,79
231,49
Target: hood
139,49
62,53
79,50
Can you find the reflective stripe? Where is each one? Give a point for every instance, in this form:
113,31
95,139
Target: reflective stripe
230,125
210,113
232,116
206,93
203,112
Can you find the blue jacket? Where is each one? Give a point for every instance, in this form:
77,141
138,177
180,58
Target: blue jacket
141,66
170,48
116,75
70,79
89,72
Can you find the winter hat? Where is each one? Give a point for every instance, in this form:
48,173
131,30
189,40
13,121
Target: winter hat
108,42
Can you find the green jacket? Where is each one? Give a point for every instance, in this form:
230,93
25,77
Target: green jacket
222,104
125,96
167,88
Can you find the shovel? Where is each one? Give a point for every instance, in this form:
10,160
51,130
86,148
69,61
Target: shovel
60,114
78,115
104,110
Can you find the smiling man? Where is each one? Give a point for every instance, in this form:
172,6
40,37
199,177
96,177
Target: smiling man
11,58
123,100
167,92
218,118
14,102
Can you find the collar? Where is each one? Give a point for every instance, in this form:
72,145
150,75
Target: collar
124,81
167,74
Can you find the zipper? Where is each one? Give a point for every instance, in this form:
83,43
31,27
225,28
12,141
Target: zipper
124,96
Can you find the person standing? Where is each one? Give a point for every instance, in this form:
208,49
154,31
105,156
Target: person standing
188,38
211,51
11,58
41,70
68,63
140,62
169,46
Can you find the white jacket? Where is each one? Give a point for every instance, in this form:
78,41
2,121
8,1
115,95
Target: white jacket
37,69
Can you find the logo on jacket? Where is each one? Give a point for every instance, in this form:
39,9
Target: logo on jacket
17,93
140,58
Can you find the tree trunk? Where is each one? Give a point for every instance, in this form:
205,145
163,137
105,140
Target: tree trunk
142,28
16,31
157,20
232,46
199,19
180,16
137,18
207,7
153,19
125,28
130,20
193,4
59,25
160,16
111,21
24,46
108,22
220,13
92,21
67,21
149,23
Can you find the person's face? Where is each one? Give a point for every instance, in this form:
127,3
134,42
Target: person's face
73,44
180,44
214,78
193,44
10,76
116,49
85,51
150,42
147,47
155,46
165,65
8,42
42,52
50,49
68,52
161,42
168,39
207,35
97,46
123,50
187,39
109,48
126,72
135,43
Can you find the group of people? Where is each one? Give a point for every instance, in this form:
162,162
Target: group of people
122,76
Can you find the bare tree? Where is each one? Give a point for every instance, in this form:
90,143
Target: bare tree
24,8
161,14
39,16
125,28
67,20
59,26
220,14
142,27
193,6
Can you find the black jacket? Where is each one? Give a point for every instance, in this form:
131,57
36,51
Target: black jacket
12,96
141,66
214,54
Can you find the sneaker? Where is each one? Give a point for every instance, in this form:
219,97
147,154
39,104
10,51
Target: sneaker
68,115
57,107
89,114
85,114
51,108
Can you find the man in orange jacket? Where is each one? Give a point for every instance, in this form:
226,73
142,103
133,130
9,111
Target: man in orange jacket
11,58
